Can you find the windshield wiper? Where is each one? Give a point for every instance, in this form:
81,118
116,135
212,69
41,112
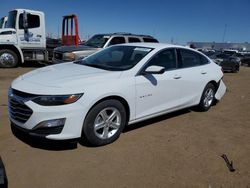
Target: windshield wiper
94,65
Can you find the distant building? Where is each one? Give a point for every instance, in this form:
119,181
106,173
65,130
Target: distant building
220,46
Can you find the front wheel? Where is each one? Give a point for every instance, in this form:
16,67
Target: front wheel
207,98
104,123
8,59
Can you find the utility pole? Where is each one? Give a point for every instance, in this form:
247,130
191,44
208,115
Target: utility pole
224,33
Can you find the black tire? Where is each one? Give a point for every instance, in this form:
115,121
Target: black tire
203,105
235,69
11,62
92,136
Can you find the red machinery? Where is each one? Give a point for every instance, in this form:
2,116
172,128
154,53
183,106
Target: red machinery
70,34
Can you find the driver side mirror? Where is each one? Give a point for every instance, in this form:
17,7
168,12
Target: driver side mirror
25,20
25,25
154,69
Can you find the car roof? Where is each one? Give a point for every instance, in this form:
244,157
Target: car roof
154,45
125,34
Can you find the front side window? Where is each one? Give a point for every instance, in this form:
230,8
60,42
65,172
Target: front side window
33,21
165,58
189,59
117,40
11,23
116,58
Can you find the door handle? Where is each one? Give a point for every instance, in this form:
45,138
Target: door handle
177,77
203,72
39,36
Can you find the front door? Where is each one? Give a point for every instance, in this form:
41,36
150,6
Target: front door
34,37
158,92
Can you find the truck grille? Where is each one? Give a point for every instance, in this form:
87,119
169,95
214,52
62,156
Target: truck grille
18,111
58,55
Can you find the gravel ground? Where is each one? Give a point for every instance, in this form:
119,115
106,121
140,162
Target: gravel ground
181,149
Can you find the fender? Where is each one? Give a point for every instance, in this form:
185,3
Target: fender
15,48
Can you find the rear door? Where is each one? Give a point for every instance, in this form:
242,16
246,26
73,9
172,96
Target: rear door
194,73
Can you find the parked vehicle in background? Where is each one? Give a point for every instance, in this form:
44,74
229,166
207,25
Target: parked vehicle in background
96,97
3,22
226,61
24,39
246,59
96,43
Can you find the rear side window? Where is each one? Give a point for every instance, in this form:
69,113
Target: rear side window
190,58
150,40
33,21
133,39
117,40
204,60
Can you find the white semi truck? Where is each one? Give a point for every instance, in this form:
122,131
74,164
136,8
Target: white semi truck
23,39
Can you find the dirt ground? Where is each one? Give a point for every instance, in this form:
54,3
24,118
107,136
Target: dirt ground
182,149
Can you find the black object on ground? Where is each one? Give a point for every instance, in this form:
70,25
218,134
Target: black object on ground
3,177
229,164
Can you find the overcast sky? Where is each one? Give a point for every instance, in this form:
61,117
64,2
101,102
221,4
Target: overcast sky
178,21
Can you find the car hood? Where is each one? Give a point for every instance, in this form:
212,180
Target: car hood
64,78
74,48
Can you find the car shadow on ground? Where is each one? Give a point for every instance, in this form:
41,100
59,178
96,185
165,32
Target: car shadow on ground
71,145
44,144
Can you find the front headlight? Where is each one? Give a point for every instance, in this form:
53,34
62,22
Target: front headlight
55,100
69,56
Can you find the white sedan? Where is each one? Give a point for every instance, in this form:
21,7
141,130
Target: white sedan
96,97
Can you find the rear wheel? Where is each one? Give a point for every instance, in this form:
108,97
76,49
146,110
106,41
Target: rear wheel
104,123
207,98
8,59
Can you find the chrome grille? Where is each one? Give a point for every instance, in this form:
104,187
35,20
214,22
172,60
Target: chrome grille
18,111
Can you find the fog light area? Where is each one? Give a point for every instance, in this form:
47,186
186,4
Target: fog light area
51,123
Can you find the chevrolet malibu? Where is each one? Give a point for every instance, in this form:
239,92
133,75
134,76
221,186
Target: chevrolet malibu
96,97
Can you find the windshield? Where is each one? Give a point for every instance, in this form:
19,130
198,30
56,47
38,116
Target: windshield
11,23
116,58
97,41
1,22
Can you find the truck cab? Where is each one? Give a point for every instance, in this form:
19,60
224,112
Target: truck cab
23,38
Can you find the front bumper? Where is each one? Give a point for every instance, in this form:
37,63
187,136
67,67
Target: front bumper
74,115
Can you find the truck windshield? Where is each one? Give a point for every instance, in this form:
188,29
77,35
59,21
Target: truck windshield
11,23
97,41
116,58
1,22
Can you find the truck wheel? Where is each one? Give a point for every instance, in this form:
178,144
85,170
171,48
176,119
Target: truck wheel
104,123
8,59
